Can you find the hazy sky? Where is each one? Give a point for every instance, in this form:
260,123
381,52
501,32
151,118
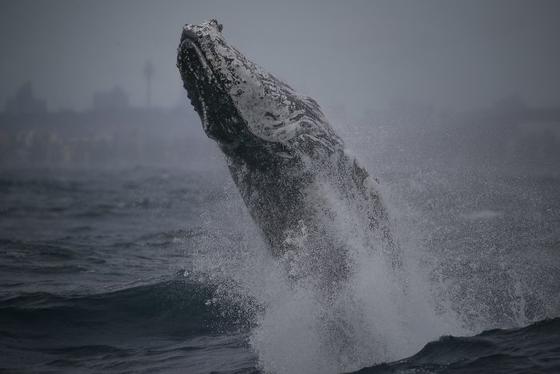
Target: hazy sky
361,54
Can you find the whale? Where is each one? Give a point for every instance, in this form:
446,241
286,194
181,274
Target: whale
309,196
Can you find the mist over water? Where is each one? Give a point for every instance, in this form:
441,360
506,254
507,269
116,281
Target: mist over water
373,317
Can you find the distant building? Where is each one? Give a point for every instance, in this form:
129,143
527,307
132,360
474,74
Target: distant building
23,102
116,99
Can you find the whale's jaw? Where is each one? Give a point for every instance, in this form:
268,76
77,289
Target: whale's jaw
195,79
219,117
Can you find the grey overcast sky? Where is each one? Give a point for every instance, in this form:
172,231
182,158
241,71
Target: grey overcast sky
360,54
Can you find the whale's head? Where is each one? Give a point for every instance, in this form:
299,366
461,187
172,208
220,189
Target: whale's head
238,101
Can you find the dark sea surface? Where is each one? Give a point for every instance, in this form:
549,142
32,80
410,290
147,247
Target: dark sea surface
149,270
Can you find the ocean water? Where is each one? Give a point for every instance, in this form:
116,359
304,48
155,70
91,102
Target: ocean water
162,271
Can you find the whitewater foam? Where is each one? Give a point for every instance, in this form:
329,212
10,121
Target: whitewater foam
377,314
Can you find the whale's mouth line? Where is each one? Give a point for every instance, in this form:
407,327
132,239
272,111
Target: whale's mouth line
197,70
193,44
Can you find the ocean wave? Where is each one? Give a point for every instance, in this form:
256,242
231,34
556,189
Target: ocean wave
532,349
54,250
177,324
174,307
169,326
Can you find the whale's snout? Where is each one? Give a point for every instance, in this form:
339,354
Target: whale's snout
194,32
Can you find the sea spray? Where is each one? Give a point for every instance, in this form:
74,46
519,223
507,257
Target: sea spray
485,271
376,314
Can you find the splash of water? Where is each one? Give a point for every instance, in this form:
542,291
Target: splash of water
375,314
452,281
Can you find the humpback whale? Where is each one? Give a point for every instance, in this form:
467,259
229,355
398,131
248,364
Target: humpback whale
292,170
